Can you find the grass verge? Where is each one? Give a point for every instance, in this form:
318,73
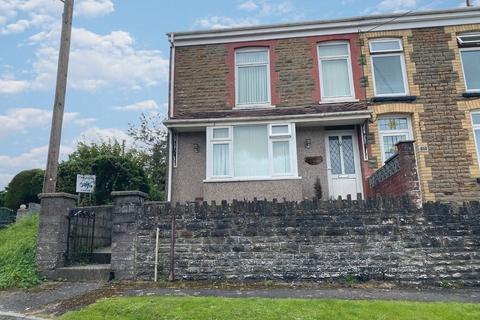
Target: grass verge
17,254
200,308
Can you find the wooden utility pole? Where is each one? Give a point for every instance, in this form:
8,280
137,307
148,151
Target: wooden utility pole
50,181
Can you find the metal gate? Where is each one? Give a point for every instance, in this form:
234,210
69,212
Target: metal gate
81,235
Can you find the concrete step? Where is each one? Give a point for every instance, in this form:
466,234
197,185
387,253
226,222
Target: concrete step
102,255
89,272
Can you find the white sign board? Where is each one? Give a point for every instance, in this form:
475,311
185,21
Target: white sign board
85,183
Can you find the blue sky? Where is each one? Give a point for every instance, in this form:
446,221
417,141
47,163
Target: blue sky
119,61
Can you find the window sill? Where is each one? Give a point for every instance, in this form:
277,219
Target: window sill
329,101
472,94
394,99
247,179
254,107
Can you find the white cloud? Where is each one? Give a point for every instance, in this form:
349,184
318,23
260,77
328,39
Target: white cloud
10,86
248,5
98,135
94,8
98,61
33,158
20,120
396,5
44,14
147,105
221,22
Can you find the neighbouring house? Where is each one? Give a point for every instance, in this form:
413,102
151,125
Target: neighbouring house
376,105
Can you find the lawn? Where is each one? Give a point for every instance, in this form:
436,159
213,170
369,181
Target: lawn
17,254
200,308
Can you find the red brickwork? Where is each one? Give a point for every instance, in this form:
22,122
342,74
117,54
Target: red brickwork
399,176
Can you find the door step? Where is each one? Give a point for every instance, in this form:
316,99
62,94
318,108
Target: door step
102,255
89,272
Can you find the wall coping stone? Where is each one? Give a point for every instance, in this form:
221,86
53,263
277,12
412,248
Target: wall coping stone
58,195
128,194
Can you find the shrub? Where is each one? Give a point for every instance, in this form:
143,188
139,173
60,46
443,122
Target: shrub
24,188
17,251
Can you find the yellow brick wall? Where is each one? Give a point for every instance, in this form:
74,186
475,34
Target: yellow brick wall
407,48
469,106
457,63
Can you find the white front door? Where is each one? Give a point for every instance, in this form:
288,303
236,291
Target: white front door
343,164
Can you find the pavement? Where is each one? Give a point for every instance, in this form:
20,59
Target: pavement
55,298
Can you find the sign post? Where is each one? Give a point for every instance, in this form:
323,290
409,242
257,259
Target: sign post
85,185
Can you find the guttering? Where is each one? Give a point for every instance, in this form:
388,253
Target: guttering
421,19
297,118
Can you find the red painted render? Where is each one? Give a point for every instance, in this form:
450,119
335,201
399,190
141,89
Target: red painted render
230,61
355,53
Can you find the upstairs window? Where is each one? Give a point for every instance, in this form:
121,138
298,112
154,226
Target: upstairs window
336,79
393,129
252,77
388,66
470,56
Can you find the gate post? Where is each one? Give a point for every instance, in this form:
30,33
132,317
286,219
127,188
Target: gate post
127,206
53,229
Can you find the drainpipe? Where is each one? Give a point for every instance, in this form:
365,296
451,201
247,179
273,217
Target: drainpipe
170,114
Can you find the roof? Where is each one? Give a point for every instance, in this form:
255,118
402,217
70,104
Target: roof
420,19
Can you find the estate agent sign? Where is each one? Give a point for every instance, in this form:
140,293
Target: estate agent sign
85,183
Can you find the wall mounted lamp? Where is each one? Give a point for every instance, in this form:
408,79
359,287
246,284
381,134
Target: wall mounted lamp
308,143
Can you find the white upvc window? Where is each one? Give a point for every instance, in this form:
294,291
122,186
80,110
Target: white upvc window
393,129
470,57
252,78
336,77
476,131
388,68
251,152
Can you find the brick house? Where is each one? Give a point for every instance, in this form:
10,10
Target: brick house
282,111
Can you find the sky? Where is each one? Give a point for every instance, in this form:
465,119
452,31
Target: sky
119,61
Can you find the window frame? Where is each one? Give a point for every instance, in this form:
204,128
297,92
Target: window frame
348,57
463,67
392,133
475,127
290,138
470,34
269,94
389,53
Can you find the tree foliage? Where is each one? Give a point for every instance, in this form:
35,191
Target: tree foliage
151,134
116,169
24,188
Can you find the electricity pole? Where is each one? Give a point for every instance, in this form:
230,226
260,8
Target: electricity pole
469,3
50,181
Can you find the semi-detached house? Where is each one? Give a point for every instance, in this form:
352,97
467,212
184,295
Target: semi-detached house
297,110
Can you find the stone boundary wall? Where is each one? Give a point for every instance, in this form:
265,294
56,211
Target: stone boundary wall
390,240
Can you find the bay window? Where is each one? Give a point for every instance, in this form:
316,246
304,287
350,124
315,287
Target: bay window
470,57
252,77
249,152
388,67
336,78
393,129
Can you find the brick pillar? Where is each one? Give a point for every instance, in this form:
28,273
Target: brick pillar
53,229
127,206
408,165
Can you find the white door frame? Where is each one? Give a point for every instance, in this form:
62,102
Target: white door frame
358,171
